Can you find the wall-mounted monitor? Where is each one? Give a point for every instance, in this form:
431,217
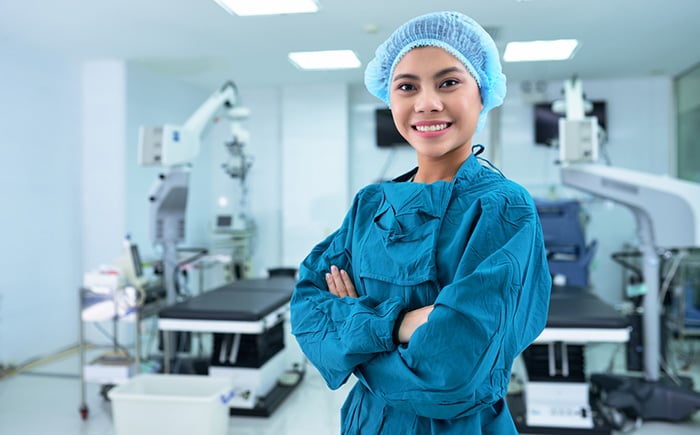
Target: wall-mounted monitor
547,121
385,130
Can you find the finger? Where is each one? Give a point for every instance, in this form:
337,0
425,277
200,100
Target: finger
338,281
347,282
331,284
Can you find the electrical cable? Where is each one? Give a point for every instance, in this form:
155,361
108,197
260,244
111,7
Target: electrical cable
618,257
35,362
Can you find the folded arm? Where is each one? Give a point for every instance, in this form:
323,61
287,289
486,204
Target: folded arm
458,351
338,333
459,361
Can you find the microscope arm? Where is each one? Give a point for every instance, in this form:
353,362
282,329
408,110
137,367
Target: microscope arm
667,212
170,145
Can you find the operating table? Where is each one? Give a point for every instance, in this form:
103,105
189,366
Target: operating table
556,397
247,319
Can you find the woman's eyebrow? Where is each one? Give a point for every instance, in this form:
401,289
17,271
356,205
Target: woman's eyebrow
443,72
450,70
405,76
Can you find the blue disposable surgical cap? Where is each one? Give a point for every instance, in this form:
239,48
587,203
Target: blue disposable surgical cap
454,32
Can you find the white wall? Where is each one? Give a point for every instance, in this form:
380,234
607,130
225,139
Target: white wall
314,168
103,161
265,185
40,190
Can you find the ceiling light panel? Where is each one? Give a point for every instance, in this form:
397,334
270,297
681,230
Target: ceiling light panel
530,51
325,60
268,7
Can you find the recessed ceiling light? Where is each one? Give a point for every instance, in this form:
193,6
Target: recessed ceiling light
324,60
524,51
268,7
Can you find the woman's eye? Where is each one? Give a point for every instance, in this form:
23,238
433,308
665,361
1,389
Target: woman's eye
405,87
448,83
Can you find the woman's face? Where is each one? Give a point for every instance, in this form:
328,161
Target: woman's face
435,103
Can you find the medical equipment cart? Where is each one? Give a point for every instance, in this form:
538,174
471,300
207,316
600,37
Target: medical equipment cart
121,363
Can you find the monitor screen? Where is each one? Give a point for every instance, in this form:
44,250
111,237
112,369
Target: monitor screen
547,121
386,133
224,221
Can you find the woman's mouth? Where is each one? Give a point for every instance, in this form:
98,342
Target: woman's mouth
431,128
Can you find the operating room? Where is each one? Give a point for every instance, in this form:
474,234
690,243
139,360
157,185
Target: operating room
280,154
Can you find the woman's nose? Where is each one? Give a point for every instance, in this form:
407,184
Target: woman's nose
428,101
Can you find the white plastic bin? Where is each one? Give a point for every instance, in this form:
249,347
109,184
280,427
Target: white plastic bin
149,404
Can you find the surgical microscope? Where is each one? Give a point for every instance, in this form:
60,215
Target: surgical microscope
174,147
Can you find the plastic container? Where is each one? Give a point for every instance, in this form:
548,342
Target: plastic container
149,404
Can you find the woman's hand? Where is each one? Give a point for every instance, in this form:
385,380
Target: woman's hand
411,321
339,283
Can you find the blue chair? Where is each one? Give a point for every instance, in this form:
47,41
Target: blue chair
567,252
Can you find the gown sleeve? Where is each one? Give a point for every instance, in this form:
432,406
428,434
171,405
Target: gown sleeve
459,361
338,334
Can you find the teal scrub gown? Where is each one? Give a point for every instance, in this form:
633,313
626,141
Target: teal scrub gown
473,247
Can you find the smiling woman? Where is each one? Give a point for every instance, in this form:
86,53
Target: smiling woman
436,108
435,281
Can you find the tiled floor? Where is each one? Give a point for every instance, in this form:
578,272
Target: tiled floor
47,401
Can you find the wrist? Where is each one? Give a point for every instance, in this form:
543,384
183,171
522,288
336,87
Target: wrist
397,326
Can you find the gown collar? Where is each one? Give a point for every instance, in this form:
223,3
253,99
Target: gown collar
466,172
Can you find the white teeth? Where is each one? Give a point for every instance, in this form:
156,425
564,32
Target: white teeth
436,127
